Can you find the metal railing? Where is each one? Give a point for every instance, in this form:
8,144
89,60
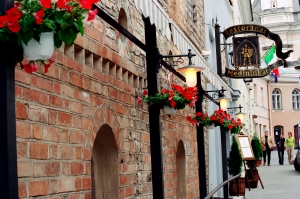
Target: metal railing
220,186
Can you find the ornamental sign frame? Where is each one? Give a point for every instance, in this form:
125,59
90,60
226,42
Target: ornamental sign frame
253,70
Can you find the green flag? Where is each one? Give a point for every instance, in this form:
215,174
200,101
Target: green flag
269,55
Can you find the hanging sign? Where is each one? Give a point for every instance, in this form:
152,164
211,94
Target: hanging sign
246,51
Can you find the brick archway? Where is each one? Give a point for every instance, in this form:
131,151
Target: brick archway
104,115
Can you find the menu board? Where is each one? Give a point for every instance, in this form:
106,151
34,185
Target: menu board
245,147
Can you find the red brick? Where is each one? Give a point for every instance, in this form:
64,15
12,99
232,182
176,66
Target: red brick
69,62
64,119
77,137
60,58
119,108
77,168
22,76
52,169
55,101
66,184
38,151
116,59
129,191
66,90
53,187
113,93
66,152
64,135
53,71
87,168
18,92
75,107
87,154
38,188
102,51
51,133
56,88
44,99
22,129
87,183
25,169
53,152
78,184
87,196
78,152
22,149
52,117
85,123
77,121
38,169
75,196
64,75
38,114
86,83
31,95
76,79
22,187
66,168
21,110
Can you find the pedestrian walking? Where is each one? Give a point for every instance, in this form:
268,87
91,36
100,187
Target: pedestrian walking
267,144
290,143
280,148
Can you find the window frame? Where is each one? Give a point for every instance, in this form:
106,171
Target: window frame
296,103
277,104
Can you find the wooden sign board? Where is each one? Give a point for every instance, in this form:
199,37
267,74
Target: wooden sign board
245,147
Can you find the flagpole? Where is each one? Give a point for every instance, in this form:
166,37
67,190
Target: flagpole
266,52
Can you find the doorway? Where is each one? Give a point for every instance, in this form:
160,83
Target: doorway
277,131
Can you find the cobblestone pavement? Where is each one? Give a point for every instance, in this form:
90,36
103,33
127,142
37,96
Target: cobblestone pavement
280,181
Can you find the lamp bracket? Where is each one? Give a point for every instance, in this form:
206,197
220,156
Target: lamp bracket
180,59
233,110
216,93
225,44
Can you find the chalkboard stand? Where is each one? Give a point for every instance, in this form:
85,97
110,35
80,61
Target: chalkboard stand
252,167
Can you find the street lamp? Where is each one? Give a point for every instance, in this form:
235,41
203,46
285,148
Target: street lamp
189,70
239,114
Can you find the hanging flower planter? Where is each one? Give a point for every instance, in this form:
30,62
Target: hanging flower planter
218,118
168,110
38,26
212,126
171,100
39,50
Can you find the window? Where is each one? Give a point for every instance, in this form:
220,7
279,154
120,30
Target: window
255,93
276,101
273,4
296,99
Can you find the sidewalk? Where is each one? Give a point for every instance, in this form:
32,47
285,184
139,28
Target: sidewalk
280,181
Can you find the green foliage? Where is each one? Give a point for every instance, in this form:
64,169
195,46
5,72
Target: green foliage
234,160
256,147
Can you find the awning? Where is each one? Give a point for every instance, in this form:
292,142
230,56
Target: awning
162,21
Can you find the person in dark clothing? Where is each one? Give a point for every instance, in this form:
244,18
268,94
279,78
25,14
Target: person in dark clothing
280,148
267,144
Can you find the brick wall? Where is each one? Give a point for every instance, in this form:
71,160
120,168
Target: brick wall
94,82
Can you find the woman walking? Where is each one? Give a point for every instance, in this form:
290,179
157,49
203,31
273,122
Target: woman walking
290,143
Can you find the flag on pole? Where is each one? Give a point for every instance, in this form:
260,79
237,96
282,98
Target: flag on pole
275,74
270,56
299,81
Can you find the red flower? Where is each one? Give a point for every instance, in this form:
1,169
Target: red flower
46,3
139,100
13,27
3,21
213,118
172,103
29,68
164,91
189,118
13,15
92,14
39,16
61,4
145,92
198,114
47,66
230,126
88,3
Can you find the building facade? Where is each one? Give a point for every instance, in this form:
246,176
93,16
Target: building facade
80,130
273,107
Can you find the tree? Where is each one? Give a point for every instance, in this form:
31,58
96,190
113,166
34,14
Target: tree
234,160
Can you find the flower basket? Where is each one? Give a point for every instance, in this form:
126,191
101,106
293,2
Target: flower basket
212,126
29,24
177,98
218,118
168,110
39,50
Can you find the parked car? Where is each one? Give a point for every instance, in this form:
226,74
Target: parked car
297,161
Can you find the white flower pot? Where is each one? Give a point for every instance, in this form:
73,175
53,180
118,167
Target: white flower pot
168,110
212,126
39,51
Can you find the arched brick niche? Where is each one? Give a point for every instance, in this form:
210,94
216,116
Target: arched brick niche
180,171
123,21
105,143
105,165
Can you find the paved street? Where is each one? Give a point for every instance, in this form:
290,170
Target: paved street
280,181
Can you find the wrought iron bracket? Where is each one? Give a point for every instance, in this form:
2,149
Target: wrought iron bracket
179,58
232,110
216,93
